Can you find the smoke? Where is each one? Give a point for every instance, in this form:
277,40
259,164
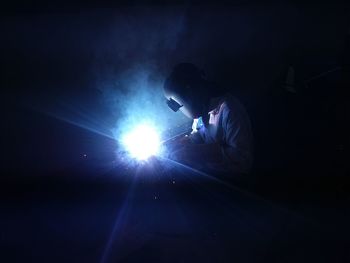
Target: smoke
131,65
136,97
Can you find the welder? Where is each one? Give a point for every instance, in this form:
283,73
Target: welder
221,139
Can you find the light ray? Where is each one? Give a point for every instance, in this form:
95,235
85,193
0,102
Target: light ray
118,222
80,125
243,191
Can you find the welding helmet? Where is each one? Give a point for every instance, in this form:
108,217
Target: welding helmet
185,90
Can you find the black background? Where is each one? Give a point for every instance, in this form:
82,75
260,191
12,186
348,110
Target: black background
58,205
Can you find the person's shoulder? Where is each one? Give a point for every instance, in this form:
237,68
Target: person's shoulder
233,108
231,102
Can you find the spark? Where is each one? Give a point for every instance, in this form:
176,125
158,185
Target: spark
142,142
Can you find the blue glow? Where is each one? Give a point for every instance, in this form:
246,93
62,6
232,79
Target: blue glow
136,99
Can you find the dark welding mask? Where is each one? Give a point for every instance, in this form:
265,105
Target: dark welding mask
175,106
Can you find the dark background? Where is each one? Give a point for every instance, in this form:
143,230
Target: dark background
62,199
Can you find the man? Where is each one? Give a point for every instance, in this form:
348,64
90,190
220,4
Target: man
221,138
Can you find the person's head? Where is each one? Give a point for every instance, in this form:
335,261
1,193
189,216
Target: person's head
187,89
